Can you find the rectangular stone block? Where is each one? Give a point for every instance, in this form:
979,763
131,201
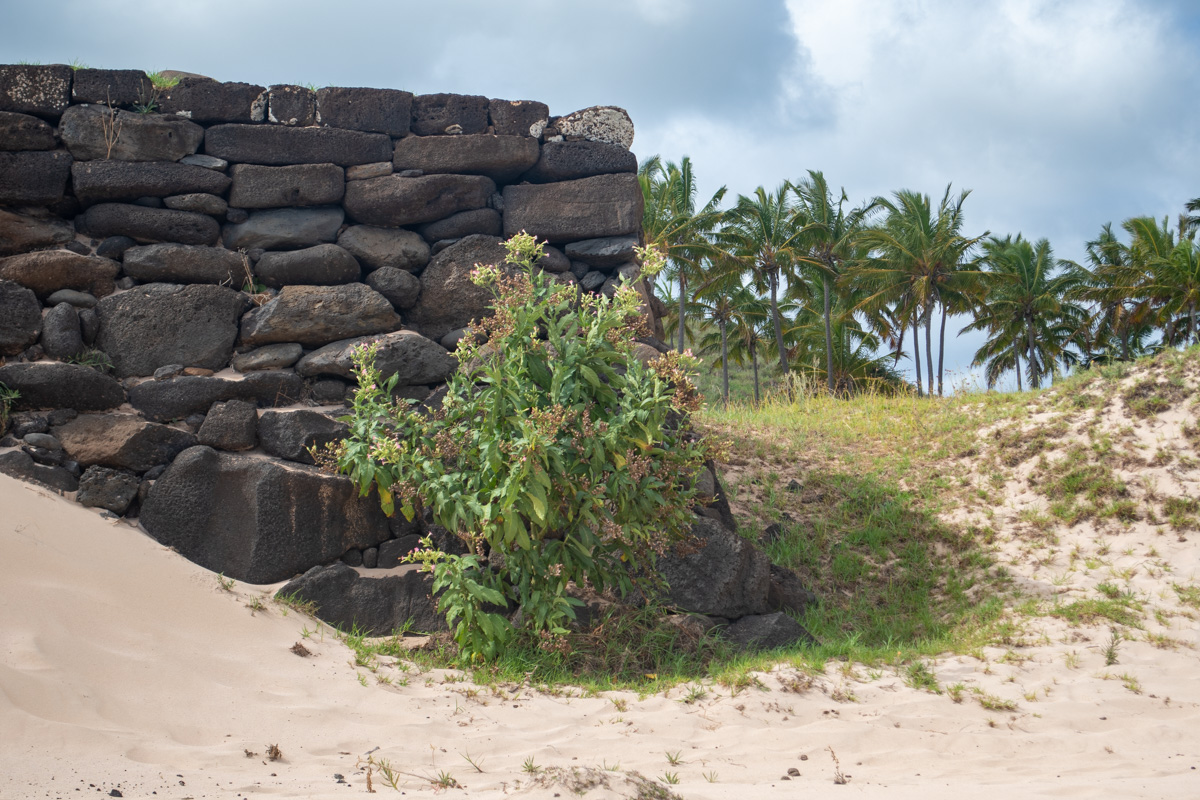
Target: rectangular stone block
100,181
207,101
501,158
256,186
291,105
34,178
518,117
375,110
568,211
26,132
437,114
278,145
118,87
35,89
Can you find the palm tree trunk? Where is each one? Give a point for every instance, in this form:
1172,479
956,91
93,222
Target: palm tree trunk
682,306
1017,356
929,344
754,361
917,349
1192,322
941,349
828,335
725,362
783,367
1124,342
1034,382
900,344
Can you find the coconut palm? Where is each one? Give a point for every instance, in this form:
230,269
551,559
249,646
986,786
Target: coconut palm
672,224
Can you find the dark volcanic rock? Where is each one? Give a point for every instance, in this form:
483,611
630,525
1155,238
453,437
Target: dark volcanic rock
231,425
588,208
787,592
376,606
725,577
416,359
87,131
435,114
482,220
148,224
61,336
178,397
20,465
49,384
20,318
277,145
20,233
34,178
114,246
402,289
317,315
256,186
284,229
117,87
23,132
322,265
183,263
393,200
566,161
501,158
603,253
256,520
77,299
199,202
208,101
100,181
289,104
289,434
121,440
44,90
518,117
111,489
766,632
272,356
448,298
47,271
377,110
385,247
158,324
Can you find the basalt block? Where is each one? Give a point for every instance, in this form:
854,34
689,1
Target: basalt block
279,145
394,201
47,271
103,181
375,110
176,398
97,132
124,441
501,158
44,90
317,315
588,208
34,178
148,224
49,384
256,186
207,101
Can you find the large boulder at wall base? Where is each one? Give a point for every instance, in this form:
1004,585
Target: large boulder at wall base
280,145
290,434
258,520
162,401
454,114
758,632
322,265
448,298
375,606
48,384
48,271
167,262
501,158
376,248
20,318
317,315
566,161
158,324
20,465
148,225
207,101
723,576
94,133
103,181
34,178
39,89
416,359
518,117
393,201
256,186
20,233
284,229
373,110
23,132
125,441
588,208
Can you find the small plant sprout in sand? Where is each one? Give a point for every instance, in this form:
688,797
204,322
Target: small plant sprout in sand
530,767
226,584
839,777
1112,646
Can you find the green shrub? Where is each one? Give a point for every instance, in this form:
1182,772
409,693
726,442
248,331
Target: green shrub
556,455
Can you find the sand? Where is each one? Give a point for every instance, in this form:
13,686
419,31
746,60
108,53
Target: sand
125,667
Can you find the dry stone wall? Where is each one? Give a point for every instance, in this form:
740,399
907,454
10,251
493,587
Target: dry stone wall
184,273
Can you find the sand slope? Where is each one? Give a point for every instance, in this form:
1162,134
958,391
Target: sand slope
123,666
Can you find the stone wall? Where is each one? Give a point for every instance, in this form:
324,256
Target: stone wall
183,272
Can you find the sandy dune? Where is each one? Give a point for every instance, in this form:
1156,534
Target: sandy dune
123,666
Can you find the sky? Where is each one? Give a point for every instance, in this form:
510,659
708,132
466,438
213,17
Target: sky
1058,115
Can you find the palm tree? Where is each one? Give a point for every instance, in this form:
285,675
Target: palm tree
672,224
761,235
829,239
1027,310
919,261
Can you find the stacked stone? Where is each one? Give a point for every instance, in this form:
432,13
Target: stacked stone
262,233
